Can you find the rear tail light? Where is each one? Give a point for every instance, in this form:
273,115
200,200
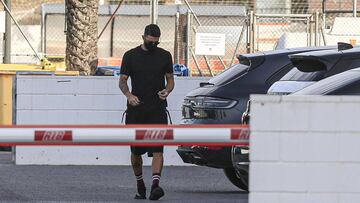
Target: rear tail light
209,102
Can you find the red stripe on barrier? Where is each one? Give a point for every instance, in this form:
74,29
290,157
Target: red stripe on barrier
53,135
135,135
127,126
154,134
147,144
240,134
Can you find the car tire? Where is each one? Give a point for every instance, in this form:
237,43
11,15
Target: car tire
235,179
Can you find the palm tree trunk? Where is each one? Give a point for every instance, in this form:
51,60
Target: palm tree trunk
81,38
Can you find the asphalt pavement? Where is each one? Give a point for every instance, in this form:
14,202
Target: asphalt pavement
110,184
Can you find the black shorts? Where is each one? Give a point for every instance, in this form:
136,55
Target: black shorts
144,116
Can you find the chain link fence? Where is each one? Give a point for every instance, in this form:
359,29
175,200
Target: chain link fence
273,31
276,24
204,22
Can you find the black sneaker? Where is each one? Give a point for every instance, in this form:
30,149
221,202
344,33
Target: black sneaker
140,195
156,193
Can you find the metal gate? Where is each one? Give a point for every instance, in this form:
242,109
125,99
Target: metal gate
228,20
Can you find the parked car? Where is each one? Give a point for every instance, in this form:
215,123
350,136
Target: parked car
346,83
310,67
222,100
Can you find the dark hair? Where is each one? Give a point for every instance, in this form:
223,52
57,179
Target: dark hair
152,30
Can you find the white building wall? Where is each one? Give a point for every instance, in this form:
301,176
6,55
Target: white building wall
305,149
69,100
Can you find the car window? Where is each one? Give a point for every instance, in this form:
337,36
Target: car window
355,63
297,75
279,74
229,74
350,89
331,85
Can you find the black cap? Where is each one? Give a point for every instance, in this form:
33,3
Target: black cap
152,30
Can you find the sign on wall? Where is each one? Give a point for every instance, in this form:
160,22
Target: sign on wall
212,44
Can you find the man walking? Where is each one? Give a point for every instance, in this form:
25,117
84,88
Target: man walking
148,66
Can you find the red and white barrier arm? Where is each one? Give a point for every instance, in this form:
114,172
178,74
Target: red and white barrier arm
135,135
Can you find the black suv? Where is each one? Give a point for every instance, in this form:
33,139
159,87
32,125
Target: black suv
222,100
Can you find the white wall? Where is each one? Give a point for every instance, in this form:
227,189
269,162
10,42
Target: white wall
305,149
45,100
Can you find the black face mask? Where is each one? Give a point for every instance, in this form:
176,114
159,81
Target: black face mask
151,46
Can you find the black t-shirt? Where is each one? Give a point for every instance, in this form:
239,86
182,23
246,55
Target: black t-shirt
147,73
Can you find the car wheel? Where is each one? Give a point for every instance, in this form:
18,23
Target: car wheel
236,179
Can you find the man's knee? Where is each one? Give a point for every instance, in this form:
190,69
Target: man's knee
158,155
136,160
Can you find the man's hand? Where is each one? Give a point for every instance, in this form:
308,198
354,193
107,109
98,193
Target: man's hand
133,100
163,94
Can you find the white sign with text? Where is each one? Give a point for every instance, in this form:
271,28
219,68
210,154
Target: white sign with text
210,44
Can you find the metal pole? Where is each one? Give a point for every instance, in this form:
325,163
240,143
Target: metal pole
192,11
112,37
154,11
188,39
252,33
324,14
111,19
256,32
309,31
317,28
196,63
7,36
323,36
18,26
176,41
248,33
355,8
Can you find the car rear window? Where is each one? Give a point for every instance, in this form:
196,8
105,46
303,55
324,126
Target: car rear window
331,84
297,75
229,74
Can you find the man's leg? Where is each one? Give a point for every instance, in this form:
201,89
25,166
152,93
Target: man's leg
136,162
135,117
158,117
157,164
